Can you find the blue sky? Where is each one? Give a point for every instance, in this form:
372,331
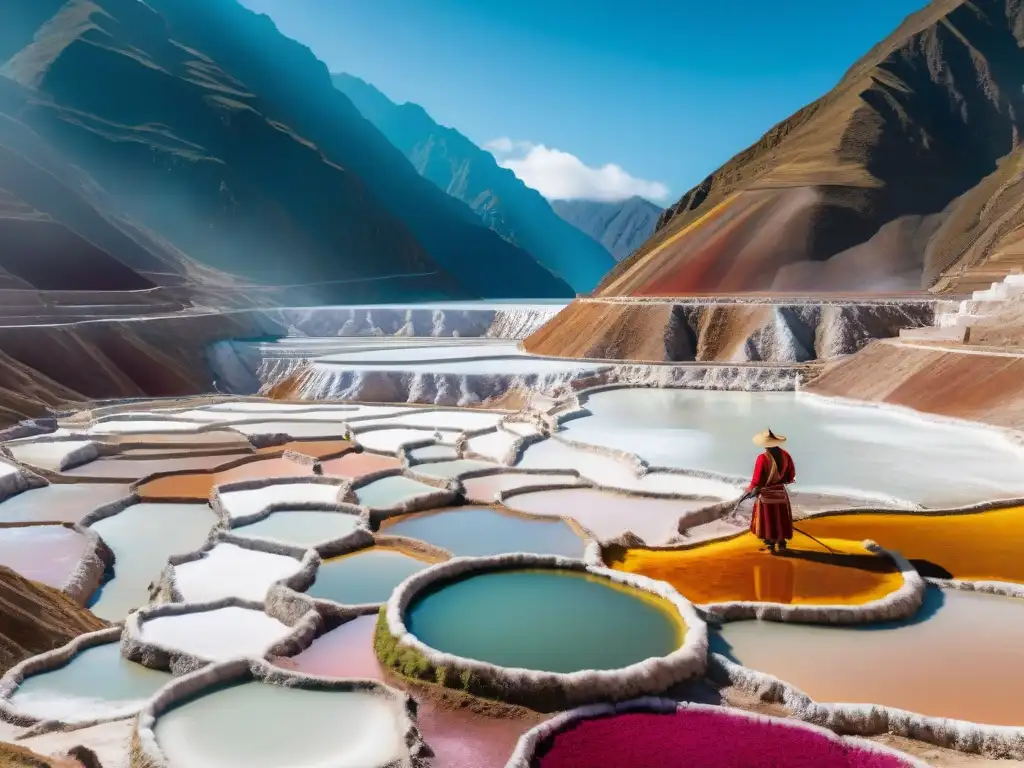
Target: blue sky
664,90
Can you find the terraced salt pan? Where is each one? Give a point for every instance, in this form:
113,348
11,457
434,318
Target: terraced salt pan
199,484
497,359
841,449
449,419
292,409
46,454
368,576
618,473
317,449
482,532
135,469
451,468
296,429
343,652
217,635
253,500
390,440
492,445
434,453
256,725
64,502
46,553
130,426
390,491
486,487
545,620
142,537
301,528
228,570
302,413
969,641
358,464
607,515
97,683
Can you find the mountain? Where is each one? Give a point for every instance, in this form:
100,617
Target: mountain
187,147
906,175
470,174
620,227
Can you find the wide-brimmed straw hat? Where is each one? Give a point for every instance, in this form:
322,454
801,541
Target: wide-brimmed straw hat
768,439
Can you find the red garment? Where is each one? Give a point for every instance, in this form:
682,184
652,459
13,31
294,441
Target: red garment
773,516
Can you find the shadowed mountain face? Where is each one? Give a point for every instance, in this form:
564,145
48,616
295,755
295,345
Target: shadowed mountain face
501,201
903,176
620,227
189,143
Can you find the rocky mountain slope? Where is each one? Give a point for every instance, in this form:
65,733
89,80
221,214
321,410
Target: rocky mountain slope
621,227
190,143
470,174
904,174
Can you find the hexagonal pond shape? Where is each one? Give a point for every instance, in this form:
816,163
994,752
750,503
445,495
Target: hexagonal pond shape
390,491
365,577
735,569
253,500
300,527
96,684
228,570
607,514
484,531
283,720
63,502
359,464
486,488
711,737
216,635
46,553
142,537
198,485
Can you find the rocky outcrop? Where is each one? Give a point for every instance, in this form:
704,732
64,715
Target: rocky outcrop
621,227
738,331
906,171
192,145
468,173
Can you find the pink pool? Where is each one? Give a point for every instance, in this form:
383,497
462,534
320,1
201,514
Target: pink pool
707,739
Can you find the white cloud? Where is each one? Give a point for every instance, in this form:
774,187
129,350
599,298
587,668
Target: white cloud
559,175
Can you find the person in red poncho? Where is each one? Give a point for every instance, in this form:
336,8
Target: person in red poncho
772,521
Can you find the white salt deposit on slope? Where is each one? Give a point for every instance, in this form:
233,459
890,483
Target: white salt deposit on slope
251,501
217,635
494,445
838,449
230,571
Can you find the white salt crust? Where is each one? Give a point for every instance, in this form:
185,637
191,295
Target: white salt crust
147,753
526,747
650,675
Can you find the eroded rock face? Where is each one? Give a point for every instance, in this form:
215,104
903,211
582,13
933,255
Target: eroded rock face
732,332
907,167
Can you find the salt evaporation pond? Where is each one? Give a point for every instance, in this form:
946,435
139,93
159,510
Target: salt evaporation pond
119,467
256,725
969,641
546,620
228,570
46,553
142,537
253,500
367,576
434,453
225,633
197,485
450,468
96,683
607,515
448,419
840,449
481,532
62,502
390,440
45,454
487,487
358,464
343,652
300,527
305,429
389,491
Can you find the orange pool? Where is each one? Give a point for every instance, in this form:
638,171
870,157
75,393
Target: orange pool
359,464
984,546
317,449
197,485
735,569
